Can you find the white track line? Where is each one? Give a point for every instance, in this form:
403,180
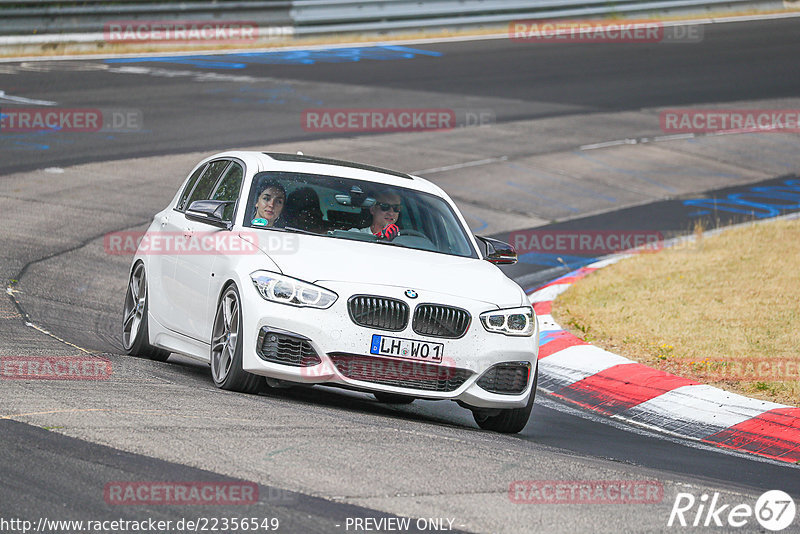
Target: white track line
22,100
474,163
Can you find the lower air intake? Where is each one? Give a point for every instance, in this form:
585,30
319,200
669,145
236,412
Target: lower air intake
280,346
506,378
400,373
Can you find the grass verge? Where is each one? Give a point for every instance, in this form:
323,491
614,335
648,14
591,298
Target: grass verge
724,311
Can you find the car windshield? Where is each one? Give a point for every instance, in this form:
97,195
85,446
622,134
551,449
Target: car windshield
356,210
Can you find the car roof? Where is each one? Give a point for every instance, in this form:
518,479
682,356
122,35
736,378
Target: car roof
282,156
285,162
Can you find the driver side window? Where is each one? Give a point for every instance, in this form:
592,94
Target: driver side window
189,187
205,185
228,189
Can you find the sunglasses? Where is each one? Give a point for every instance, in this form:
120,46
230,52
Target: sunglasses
385,206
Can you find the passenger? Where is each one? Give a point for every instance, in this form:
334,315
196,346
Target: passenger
269,204
385,214
303,211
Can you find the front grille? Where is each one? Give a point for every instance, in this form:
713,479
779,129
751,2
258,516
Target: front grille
440,321
378,312
400,373
506,378
287,348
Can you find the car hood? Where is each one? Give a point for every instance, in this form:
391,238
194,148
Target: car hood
319,259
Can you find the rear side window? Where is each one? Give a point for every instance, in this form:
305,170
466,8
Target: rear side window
205,185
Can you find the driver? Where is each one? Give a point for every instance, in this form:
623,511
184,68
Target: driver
385,213
269,204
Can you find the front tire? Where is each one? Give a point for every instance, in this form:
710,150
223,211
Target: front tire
226,346
135,334
509,421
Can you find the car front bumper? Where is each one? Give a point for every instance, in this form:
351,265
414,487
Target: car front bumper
342,349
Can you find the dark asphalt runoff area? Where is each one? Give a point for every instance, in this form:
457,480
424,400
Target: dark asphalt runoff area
356,457
58,468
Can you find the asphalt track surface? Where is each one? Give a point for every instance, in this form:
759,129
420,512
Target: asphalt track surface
734,63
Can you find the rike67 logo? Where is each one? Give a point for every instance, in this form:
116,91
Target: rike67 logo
774,510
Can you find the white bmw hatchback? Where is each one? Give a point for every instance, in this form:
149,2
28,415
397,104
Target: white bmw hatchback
317,271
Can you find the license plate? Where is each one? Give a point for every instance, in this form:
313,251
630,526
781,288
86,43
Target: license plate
406,348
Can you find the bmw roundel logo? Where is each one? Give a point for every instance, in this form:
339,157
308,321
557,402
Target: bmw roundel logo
410,293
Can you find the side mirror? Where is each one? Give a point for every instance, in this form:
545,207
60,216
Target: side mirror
210,212
498,252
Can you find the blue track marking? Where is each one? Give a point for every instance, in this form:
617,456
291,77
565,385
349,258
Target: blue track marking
29,140
22,145
285,57
555,260
195,61
280,95
547,336
761,202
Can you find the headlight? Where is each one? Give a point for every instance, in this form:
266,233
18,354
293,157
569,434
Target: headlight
285,290
511,322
